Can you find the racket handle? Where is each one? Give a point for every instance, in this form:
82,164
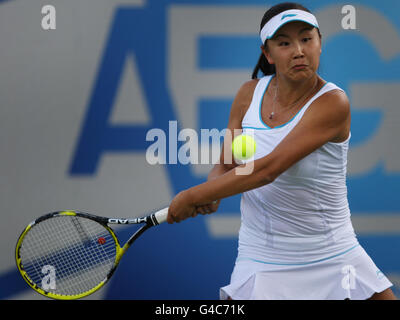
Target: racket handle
161,215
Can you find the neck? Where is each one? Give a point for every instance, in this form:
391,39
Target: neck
290,92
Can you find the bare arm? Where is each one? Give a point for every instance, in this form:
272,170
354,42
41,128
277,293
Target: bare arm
325,120
239,107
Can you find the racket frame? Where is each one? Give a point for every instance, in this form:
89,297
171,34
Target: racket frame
148,221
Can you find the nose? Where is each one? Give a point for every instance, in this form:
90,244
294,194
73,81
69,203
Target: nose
298,50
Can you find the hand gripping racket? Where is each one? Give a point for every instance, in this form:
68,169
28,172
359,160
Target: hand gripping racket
69,254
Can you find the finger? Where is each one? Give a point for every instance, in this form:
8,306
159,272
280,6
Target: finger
174,218
194,212
177,220
208,209
201,210
215,205
169,217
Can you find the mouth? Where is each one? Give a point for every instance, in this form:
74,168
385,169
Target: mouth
299,66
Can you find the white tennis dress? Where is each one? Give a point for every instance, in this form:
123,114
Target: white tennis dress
296,239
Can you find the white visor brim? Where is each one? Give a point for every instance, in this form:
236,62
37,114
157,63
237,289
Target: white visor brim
270,28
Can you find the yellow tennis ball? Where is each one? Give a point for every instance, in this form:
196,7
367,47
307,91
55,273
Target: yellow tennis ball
243,147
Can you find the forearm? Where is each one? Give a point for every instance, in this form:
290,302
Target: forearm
218,170
222,184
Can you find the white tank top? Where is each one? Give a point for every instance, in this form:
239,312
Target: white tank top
304,214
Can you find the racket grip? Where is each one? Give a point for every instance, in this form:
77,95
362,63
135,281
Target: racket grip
161,215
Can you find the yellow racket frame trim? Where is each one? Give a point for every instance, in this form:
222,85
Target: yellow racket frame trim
119,253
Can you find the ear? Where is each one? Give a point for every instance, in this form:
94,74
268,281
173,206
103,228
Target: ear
267,55
320,44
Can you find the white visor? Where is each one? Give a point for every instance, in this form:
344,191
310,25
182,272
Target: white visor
269,29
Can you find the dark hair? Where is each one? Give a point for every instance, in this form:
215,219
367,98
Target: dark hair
263,64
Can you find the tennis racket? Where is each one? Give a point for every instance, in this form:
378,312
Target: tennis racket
69,254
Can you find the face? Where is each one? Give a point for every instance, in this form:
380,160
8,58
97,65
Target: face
296,43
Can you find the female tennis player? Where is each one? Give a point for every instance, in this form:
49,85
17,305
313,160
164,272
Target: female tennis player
296,239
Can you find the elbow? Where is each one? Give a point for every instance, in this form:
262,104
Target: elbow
269,168
269,178
266,177
264,172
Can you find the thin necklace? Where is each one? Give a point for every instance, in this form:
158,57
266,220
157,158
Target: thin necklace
271,116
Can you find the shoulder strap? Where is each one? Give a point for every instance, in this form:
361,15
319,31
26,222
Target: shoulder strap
329,86
252,116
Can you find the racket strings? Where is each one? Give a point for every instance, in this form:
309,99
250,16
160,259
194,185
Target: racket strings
79,262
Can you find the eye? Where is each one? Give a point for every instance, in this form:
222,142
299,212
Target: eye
283,43
306,39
